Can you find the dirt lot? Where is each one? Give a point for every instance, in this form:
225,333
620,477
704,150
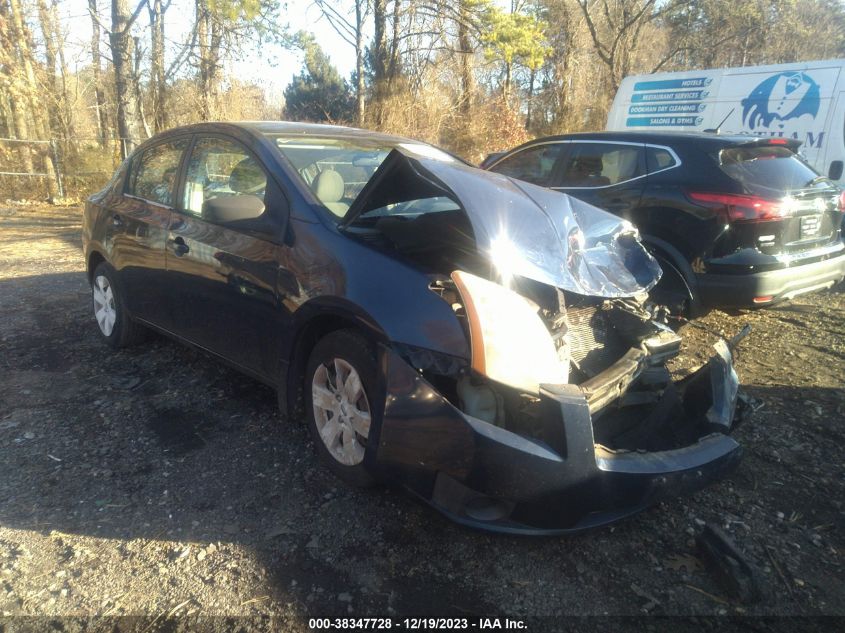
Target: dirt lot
155,481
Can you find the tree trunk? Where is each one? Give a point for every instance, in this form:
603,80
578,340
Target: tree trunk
209,39
530,100
101,113
120,40
465,52
136,85
68,112
215,42
21,131
359,62
202,42
380,56
23,44
393,68
157,85
52,81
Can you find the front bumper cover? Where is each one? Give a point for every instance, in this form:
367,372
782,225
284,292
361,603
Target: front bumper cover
487,477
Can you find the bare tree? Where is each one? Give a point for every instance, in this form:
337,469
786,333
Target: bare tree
122,49
102,116
158,85
615,27
351,30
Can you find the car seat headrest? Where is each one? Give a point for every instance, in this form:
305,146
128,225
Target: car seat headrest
329,186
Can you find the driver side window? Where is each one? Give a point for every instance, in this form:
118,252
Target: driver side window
219,167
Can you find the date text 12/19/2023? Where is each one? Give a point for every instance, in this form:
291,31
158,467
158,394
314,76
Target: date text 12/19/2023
416,624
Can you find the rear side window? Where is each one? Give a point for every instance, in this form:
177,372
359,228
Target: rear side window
768,170
601,165
154,172
534,164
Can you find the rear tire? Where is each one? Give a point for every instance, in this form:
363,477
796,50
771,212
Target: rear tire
114,323
341,403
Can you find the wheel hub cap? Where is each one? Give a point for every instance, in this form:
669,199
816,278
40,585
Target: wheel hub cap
104,308
341,411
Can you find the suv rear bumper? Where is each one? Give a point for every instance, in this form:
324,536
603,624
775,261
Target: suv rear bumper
740,290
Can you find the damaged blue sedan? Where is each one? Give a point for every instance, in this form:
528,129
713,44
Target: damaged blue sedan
483,342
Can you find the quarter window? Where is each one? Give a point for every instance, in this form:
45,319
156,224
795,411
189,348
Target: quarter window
658,158
220,167
534,165
600,165
154,172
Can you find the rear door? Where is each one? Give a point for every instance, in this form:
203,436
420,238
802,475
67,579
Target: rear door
139,220
608,175
222,275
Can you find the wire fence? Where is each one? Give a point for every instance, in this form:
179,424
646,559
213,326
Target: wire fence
57,168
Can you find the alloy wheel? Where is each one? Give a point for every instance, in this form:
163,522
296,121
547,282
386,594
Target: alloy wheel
104,306
341,410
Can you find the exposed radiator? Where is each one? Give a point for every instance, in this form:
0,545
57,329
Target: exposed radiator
595,345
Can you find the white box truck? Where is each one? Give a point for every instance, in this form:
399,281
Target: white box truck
804,101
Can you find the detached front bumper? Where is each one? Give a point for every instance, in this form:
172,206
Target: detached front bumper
488,477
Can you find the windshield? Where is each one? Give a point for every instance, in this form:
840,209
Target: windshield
769,170
336,169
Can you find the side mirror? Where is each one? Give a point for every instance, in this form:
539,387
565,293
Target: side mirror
835,171
225,209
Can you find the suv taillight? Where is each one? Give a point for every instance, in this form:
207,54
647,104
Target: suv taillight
739,208
842,201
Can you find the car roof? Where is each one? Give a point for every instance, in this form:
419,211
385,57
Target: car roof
293,129
655,137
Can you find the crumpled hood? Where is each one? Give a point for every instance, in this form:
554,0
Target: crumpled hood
539,233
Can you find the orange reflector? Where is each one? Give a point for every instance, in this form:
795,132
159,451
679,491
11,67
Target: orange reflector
763,299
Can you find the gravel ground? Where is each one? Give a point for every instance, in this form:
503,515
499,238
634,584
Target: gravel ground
156,482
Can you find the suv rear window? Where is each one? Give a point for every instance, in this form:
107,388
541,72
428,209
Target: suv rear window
768,170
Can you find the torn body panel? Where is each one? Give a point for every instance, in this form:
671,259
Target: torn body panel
563,415
519,228
493,478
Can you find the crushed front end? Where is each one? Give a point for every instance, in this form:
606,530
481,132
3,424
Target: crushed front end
622,433
567,413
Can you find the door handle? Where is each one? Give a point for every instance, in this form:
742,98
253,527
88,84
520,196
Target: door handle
179,247
117,220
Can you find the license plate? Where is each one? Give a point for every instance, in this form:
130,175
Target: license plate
810,225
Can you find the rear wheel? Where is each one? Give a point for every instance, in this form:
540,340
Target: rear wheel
341,403
116,326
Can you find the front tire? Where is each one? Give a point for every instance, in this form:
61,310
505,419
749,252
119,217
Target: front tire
115,325
341,403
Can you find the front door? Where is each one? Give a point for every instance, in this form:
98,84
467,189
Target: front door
222,275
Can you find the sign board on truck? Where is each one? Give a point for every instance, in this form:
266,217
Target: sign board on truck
804,101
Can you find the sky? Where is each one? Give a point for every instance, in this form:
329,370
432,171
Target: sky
272,68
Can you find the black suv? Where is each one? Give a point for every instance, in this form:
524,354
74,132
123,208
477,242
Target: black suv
735,221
